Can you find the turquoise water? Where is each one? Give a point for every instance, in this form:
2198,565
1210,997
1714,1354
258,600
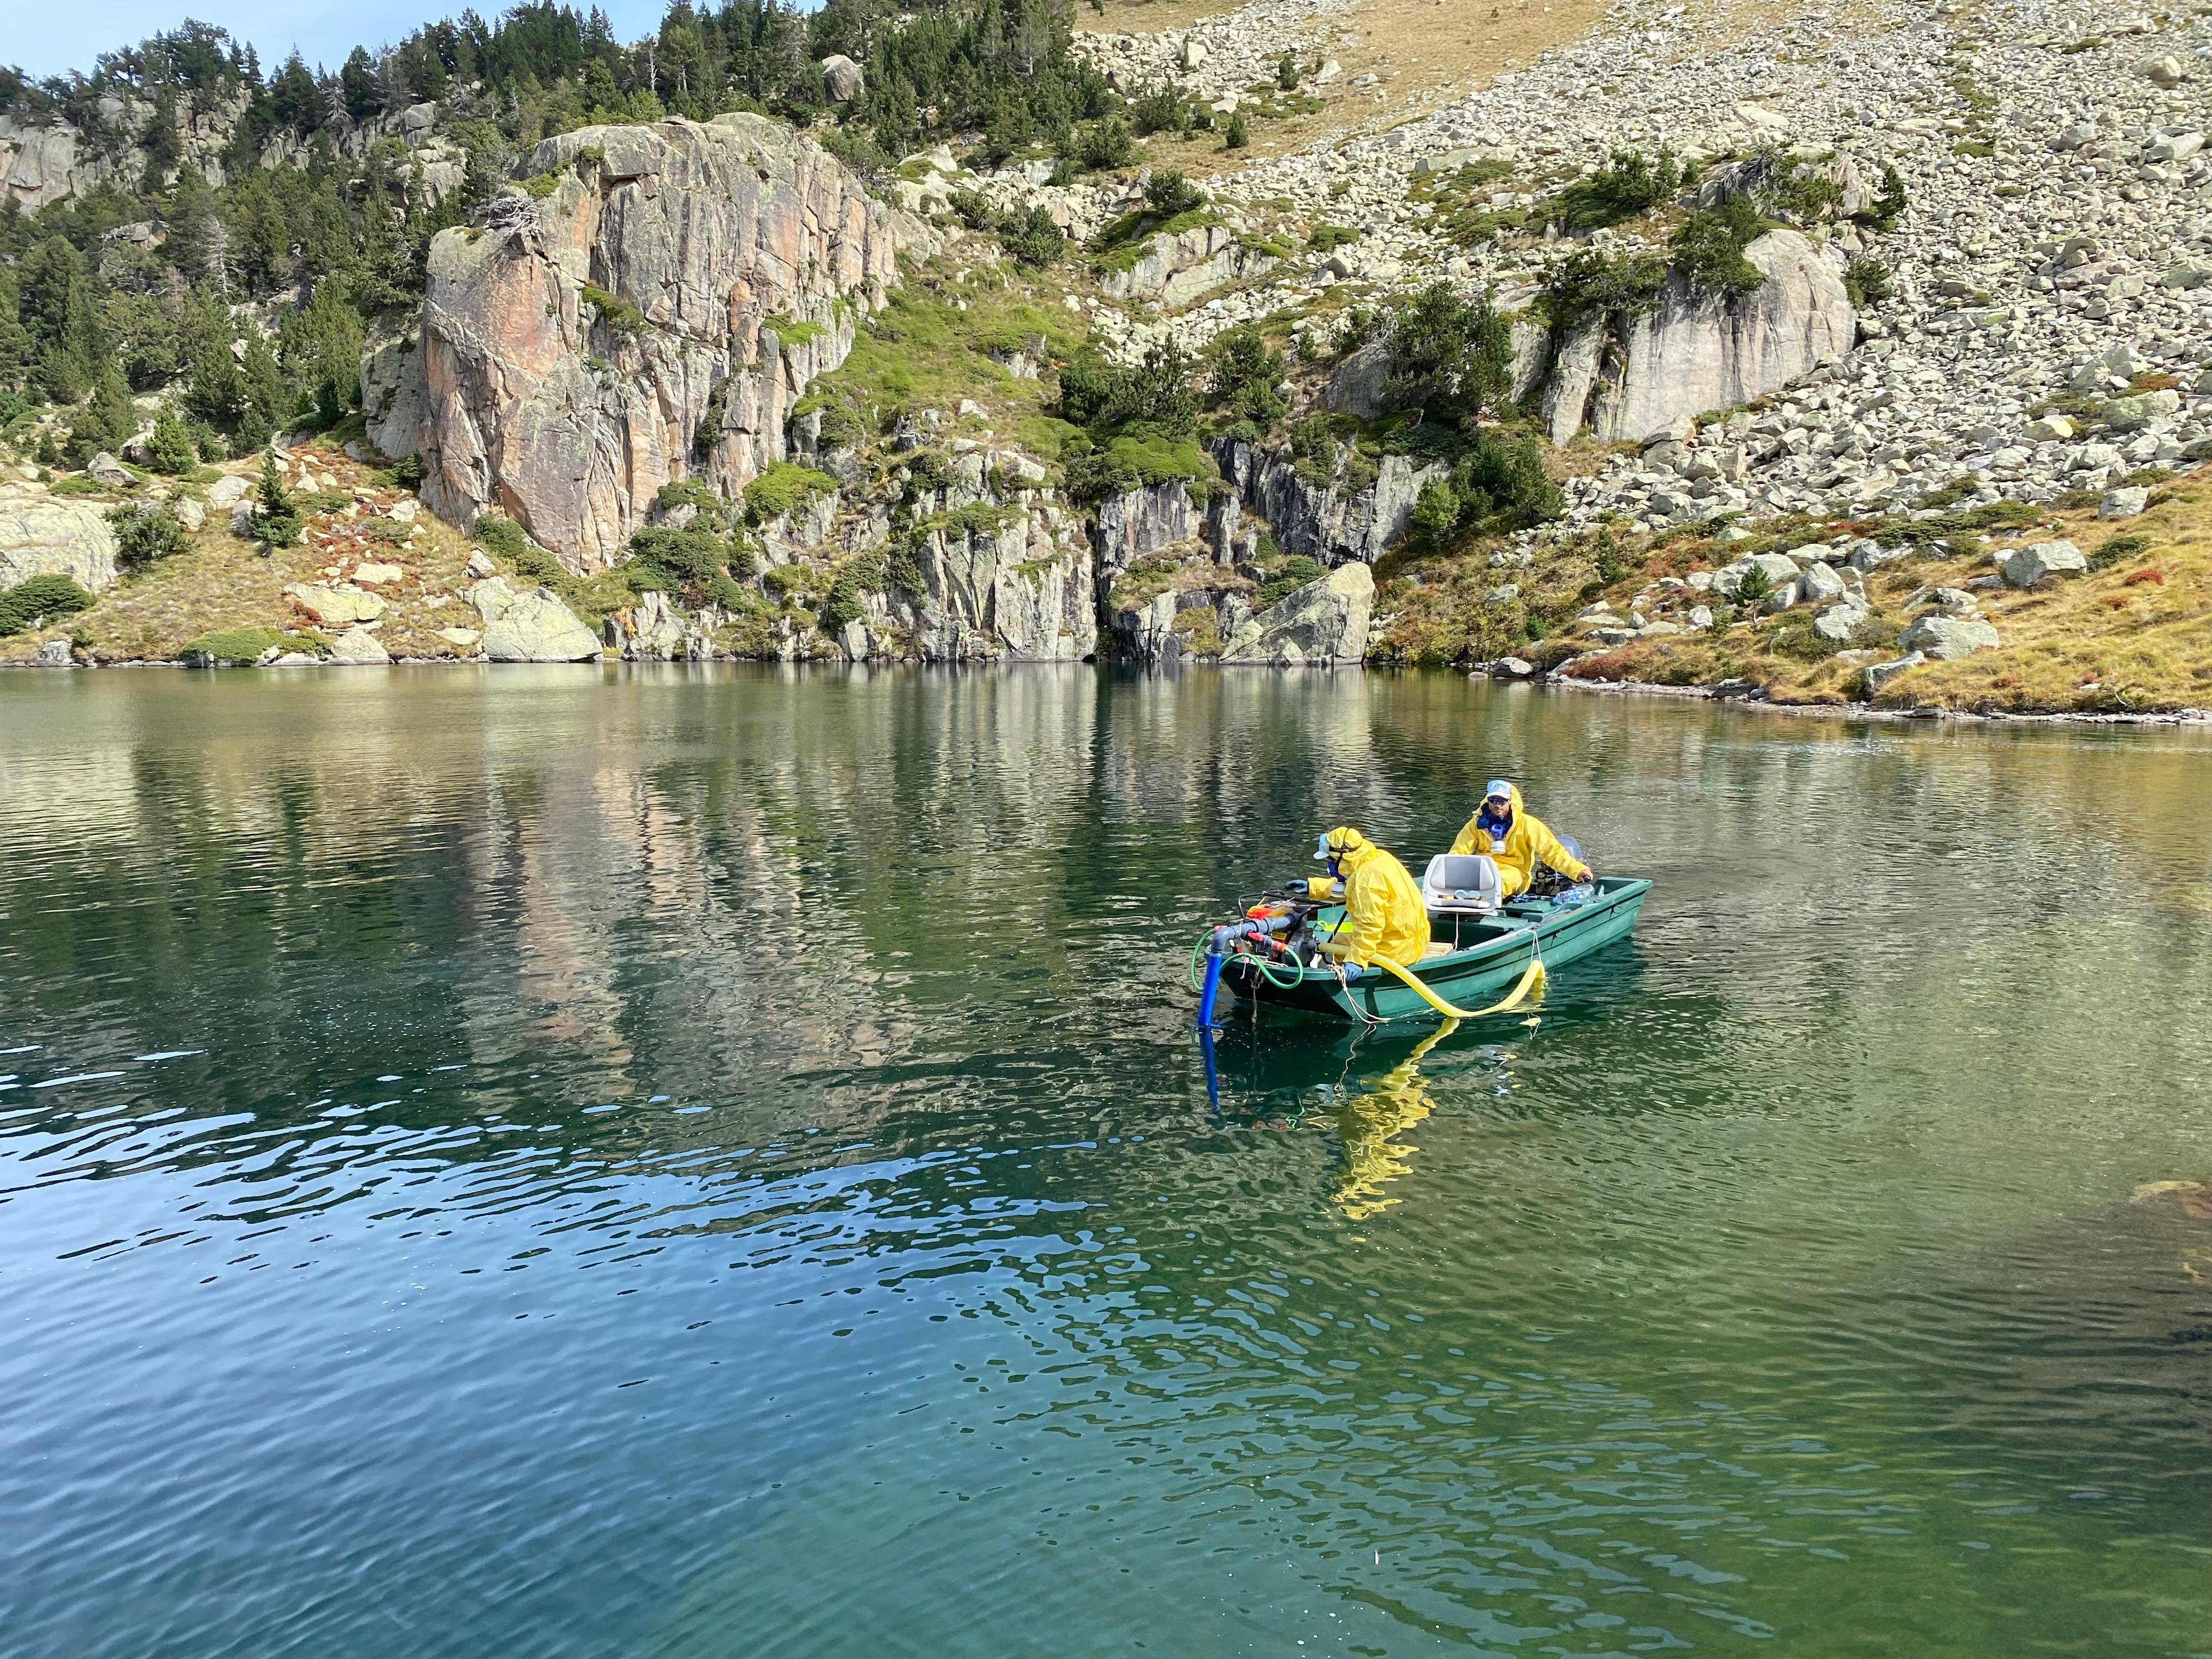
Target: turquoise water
715,1162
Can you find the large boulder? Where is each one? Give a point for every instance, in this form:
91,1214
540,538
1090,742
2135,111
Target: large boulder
841,79
39,163
1025,592
327,604
1135,522
1946,638
42,537
1324,621
530,624
1699,349
358,645
623,316
1177,269
2024,567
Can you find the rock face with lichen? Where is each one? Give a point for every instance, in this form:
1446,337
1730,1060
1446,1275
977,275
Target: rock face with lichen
647,306
41,536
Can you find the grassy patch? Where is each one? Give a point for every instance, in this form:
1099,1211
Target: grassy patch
922,351
785,488
231,645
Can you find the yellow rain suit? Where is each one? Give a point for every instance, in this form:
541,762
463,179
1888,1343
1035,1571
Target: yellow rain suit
1383,913
1526,840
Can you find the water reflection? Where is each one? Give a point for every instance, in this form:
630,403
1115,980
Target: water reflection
686,1161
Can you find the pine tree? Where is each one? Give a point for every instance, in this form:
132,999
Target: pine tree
62,311
1237,137
106,423
171,449
278,520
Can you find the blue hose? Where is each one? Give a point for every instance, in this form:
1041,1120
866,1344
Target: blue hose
1209,990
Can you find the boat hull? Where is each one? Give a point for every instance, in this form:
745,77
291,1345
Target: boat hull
1470,978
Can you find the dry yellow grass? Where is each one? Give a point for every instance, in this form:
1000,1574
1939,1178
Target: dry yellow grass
2134,637
223,582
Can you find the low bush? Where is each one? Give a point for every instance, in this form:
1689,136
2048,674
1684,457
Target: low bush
39,600
1167,193
1867,283
1632,184
230,645
142,538
1708,247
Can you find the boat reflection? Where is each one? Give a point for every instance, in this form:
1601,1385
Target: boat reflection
1286,1079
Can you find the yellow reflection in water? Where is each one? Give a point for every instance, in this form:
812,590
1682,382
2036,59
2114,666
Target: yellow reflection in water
1368,1126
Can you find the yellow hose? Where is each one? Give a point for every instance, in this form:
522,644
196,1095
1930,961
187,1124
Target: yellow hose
1530,981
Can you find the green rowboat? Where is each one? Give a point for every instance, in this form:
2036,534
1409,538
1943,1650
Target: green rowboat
1489,954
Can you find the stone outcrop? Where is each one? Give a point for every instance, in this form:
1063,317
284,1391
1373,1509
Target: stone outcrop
649,309
1698,349
1133,523
1175,269
395,398
41,537
1332,523
1324,621
1025,593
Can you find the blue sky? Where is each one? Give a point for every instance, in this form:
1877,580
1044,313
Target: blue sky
47,39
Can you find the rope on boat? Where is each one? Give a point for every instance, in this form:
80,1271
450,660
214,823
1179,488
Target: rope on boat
1530,980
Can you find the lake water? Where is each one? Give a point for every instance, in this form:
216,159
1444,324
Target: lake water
674,1162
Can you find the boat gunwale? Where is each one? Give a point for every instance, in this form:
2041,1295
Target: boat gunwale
1524,941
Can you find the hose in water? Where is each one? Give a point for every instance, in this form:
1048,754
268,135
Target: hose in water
1529,980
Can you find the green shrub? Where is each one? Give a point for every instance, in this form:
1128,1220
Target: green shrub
1450,358
616,315
1130,462
1708,247
689,563
142,538
39,600
1286,73
1632,184
927,472
1105,144
230,645
1167,193
970,207
1756,586
1587,284
1033,239
2133,545
1328,238
500,537
845,603
1435,518
1887,207
1866,283
1236,137
1247,380
1158,109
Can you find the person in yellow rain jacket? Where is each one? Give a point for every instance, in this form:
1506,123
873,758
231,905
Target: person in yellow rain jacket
1505,832
1383,915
